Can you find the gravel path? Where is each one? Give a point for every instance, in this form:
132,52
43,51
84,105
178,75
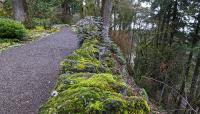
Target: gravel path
28,73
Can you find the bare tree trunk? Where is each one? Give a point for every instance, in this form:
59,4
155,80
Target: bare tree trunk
163,88
187,69
81,9
19,10
182,92
65,11
114,17
198,90
97,8
194,83
195,78
174,20
194,41
105,13
130,53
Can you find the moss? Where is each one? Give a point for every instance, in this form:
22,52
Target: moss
109,62
85,59
115,49
88,84
144,94
141,106
66,81
39,28
76,63
92,94
102,81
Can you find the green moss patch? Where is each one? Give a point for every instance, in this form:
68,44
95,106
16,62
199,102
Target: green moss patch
85,59
86,93
102,81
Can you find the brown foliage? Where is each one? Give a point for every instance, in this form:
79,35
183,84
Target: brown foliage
122,39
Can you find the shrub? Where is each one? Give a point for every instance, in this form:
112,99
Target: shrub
46,23
2,12
11,29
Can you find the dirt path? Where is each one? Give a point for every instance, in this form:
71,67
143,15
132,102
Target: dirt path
28,73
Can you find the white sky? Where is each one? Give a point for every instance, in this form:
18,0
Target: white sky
145,4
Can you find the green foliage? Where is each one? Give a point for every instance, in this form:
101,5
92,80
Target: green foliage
43,13
2,12
46,23
144,94
115,49
42,8
11,29
124,11
91,8
6,9
156,63
49,12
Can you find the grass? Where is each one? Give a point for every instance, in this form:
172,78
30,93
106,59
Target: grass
7,43
38,32
33,34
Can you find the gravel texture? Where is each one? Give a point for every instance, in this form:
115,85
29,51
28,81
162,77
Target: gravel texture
28,73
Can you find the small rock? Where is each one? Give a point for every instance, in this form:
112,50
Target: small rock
54,93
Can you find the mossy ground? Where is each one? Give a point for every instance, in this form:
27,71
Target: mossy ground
90,84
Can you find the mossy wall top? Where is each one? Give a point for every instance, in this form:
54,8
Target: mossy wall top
90,84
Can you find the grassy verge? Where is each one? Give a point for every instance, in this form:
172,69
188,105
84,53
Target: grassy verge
39,31
33,34
7,43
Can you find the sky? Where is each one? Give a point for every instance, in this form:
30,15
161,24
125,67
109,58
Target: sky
145,4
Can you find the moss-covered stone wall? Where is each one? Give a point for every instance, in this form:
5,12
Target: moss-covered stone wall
91,82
